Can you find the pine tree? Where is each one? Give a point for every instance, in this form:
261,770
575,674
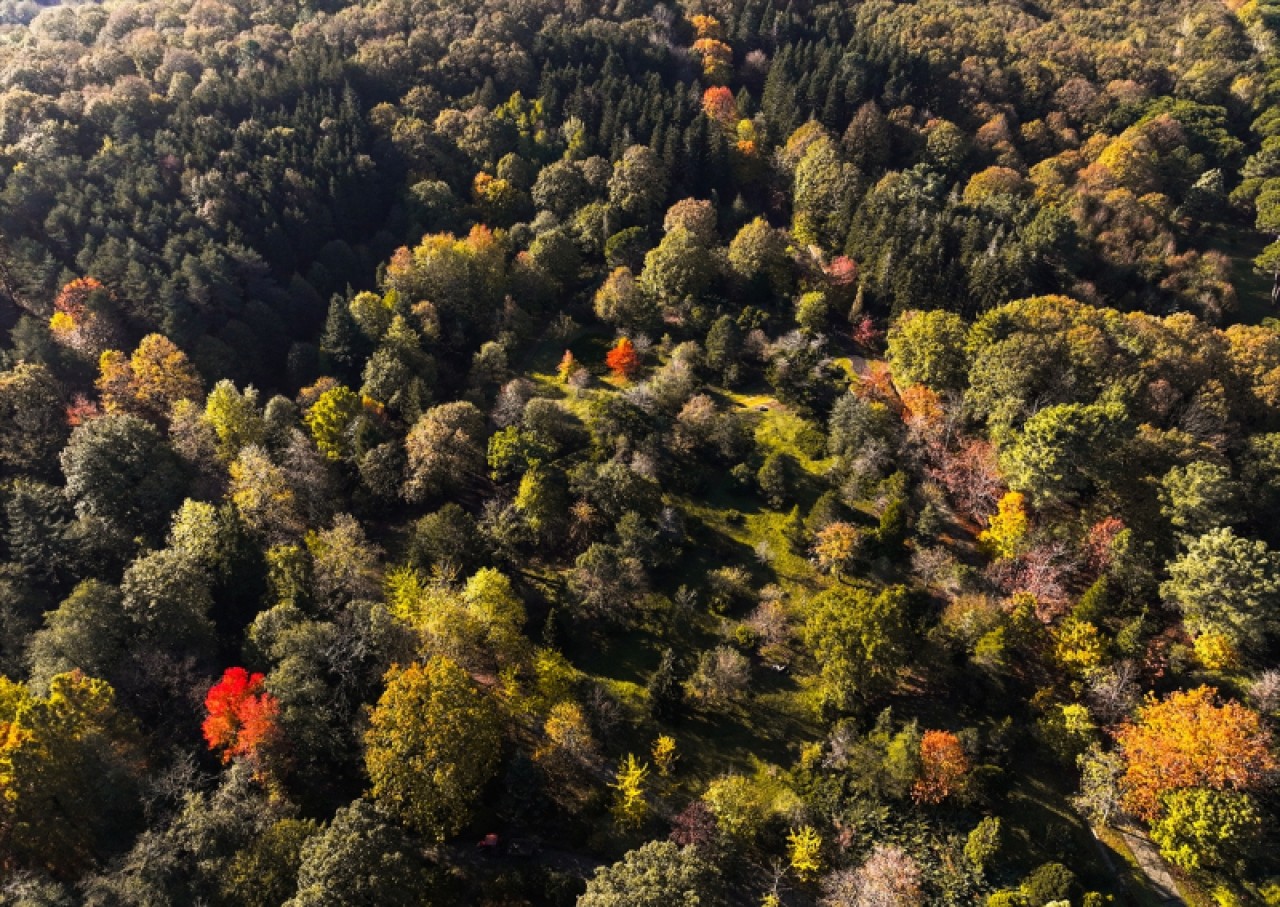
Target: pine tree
343,348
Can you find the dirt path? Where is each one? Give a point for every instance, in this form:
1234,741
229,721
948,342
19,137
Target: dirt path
860,366
1162,883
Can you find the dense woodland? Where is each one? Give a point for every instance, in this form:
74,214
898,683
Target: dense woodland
716,452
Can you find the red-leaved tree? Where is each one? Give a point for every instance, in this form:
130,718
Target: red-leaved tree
623,360
242,716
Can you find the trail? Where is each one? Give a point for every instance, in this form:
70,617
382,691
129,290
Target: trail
1152,865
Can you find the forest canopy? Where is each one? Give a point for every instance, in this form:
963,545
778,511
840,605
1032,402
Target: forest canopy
514,452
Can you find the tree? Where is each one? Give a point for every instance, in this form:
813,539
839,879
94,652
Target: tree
444,450
696,215
1199,497
664,754
1063,449
629,805
120,470
606,582
929,348
721,676
982,844
542,501
889,877
776,477
160,375
1228,585
944,767
360,860
70,767
867,141
638,184
33,422
569,742
567,368
166,595
1049,883
561,189
760,258
623,360
821,189
738,805
659,874
262,495
342,346
235,417
265,872
718,104
1268,221
330,420
85,317
241,716
83,633
1100,771
681,267
431,747
836,546
1007,527
664,687
1188,740
804,846
622,303
813,311
1201,828
40,535
345,565
723,349
858,639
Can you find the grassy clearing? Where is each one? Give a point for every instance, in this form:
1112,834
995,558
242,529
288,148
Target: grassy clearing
1253,290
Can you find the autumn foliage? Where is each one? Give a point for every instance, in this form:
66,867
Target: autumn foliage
623,360
718,104
241,715
1189,741
943,767
81,319
568,365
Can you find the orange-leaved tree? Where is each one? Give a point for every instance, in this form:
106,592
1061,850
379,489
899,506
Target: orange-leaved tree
568,365
1189,740
623,360
719,105
242,715
944,767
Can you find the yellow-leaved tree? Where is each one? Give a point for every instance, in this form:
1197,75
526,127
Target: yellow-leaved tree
432,745
70,767
1007,527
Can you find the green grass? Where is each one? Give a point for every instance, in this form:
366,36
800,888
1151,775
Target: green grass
1253,290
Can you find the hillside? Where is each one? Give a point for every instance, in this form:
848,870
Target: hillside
718,452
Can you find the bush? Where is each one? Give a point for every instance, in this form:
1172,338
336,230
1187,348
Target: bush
1048,883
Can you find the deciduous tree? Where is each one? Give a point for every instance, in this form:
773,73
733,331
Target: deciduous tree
70,765
444,450
432,745
623,360
1190,740
659,874
944,767
241,717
